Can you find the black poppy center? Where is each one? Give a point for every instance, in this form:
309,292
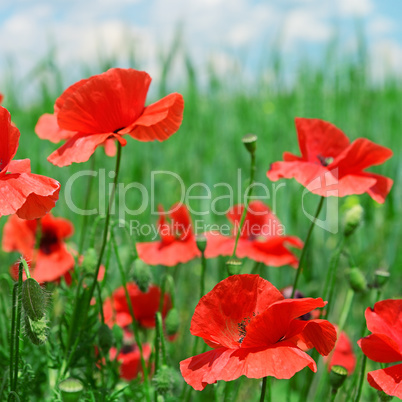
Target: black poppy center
48,242
325,160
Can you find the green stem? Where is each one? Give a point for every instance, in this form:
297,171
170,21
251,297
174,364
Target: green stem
17,329
303,253
203,270
133,319
86,205
263,389
161,337
246,202
345,310
107,220
12,337
361,379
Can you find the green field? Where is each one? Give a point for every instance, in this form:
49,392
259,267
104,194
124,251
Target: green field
208,149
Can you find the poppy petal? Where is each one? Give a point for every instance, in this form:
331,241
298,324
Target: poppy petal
106,102
159,120
154,253
321,334
272,324
224,364
50,267
47,128
28,195
78,148
386,318
361,154
379,191
380,348
110,147
319,139
218,244
20,166
18,236
9,138
388,380
215,317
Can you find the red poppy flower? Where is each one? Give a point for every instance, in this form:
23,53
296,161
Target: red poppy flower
52,259
177,244
261,238
1,98
129,357
342,355
106,107
254,332
384,345
331,165
145,305
28,195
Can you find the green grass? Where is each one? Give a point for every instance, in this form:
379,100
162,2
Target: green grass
208,149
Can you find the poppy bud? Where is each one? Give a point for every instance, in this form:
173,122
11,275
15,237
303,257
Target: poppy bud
234,266
165,380
250,142
383,396
90,260
34,299
172,322
381,278
105,338
142,275
36,331
352,219
201,241
71,389
357,280
337,377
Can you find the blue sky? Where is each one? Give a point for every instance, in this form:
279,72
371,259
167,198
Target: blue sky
223,32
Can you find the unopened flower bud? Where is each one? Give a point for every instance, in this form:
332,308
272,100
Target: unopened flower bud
337,377
34,299
71,389
353,218
36,331
90,261
234,266
357,280
384,397
105,338
165,380
381,278
201,242
142,275
172,322
250,142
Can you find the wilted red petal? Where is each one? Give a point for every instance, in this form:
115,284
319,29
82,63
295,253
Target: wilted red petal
159,120
47,128
381,348
318,138
282,362
79,148
232,301
154,253
106,102
9,137
388,380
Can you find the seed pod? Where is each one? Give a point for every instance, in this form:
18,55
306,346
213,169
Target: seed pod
233,266
337,376
71,389
357,280
353,218
250,142
164,380
201,241
36,331
34,299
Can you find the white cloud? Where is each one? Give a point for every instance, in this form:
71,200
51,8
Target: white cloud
380,25
303,25
386,57
359,8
